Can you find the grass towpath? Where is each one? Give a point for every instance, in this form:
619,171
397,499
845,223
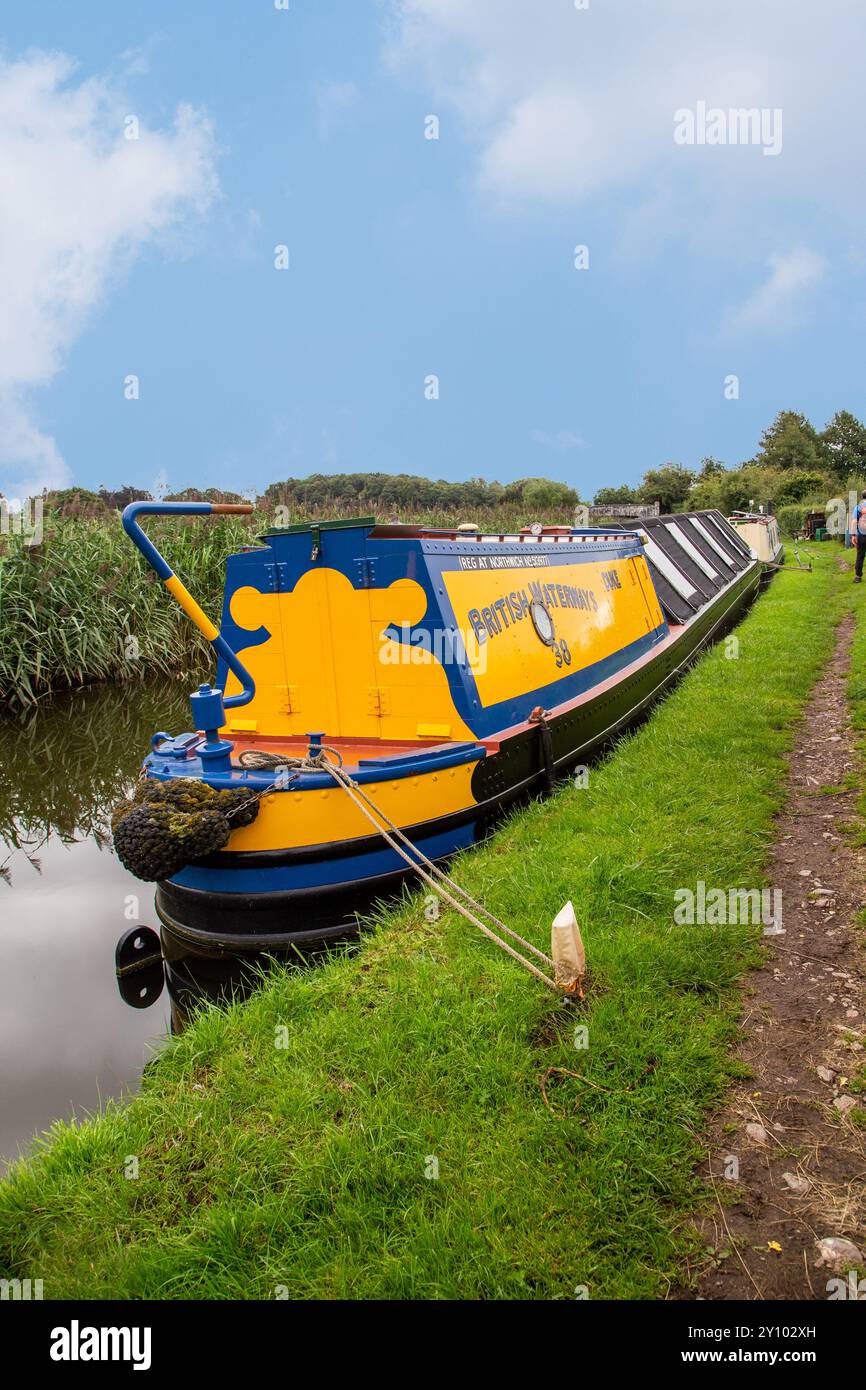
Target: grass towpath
399,1145
787,1150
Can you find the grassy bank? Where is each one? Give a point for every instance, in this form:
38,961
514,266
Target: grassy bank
311,1166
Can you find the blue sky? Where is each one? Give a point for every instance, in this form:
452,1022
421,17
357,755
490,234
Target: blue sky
409,256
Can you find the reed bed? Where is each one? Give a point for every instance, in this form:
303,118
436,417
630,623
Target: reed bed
83,606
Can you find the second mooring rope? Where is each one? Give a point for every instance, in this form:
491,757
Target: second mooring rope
431,874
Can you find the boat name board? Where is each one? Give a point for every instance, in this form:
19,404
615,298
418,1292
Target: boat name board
576,615
490,621
502,562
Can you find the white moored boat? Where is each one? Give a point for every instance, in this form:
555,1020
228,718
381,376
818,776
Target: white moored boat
761,535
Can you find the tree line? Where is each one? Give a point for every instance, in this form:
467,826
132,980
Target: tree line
795,464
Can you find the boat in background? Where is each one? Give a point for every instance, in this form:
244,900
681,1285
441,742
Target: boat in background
761,534
451,673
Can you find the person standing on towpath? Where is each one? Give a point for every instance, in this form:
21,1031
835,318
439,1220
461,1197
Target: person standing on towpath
858,525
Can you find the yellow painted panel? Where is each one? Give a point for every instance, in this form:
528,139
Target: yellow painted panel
596,608
289,819
641,569
327,644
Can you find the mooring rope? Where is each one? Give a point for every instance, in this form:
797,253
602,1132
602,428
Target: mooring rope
426,869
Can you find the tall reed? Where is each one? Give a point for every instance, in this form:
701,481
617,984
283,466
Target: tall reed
83,605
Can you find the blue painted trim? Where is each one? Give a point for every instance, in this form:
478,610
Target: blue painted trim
230,658
563,551
224,653
165,767
349,870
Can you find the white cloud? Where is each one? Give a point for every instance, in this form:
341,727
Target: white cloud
79,200
561,440
564,105
135,62
776,303
31,456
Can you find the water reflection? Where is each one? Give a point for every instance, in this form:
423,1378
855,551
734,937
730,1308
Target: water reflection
83,970
196,977
66,762
68,1041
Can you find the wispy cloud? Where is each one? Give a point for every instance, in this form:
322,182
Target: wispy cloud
560,440
80,200
135,62
777,302
333,100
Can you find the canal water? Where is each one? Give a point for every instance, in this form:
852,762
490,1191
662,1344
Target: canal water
67,1040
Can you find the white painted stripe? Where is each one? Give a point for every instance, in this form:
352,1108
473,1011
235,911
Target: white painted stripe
691,550
710,540
725,528
668,568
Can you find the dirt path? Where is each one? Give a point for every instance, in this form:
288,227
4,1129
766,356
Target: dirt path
790,1132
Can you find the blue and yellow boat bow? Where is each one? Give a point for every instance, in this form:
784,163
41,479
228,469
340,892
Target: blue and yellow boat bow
454,674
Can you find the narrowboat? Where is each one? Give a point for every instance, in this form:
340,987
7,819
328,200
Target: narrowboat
761,534
449,673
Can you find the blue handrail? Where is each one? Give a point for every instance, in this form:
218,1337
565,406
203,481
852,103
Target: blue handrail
178,589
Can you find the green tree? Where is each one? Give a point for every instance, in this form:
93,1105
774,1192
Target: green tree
541,493
744,489
670,486
74,501
359,491
800,486
844,439
791,442
611,496
122,496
